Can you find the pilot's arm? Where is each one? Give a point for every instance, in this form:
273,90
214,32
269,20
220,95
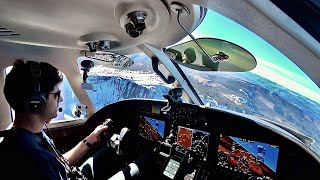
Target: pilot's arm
82,147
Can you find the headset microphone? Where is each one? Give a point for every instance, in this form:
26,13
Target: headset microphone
60,109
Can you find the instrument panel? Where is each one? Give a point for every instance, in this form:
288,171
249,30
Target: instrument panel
203,143
251,159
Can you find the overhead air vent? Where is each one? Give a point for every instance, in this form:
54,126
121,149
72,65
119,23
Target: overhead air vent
7,32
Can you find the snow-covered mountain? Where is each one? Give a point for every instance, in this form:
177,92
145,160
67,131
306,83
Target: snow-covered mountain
111,85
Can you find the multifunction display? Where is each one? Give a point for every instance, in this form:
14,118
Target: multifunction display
152,129
251,158
194,140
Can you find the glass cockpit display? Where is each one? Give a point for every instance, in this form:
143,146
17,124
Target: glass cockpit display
252,158
152,129
195,140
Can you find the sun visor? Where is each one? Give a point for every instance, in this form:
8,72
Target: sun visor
223,56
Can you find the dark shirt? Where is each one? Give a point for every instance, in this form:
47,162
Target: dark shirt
25,155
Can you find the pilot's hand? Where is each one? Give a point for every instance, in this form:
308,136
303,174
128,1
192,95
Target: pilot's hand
94,136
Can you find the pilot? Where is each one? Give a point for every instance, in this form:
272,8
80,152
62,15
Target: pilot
189,55
27,152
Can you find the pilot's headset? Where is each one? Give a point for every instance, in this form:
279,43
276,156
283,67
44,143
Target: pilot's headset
37,102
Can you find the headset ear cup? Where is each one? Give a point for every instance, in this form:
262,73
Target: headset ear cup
37,103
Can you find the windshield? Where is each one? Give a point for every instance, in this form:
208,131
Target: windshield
276,90
111,84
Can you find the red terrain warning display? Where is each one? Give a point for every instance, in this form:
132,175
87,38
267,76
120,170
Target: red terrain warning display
184,137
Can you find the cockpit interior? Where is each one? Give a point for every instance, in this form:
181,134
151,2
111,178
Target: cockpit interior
190,143
184,135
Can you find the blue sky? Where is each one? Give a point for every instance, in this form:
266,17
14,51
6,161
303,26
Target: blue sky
272,64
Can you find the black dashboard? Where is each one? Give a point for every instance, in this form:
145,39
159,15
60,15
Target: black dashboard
197,142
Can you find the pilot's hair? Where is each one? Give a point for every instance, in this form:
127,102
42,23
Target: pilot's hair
20,84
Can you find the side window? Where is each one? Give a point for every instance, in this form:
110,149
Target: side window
68,105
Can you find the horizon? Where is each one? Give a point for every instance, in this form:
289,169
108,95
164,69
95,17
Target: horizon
271,63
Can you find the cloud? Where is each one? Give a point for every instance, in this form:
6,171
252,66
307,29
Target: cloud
203,80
